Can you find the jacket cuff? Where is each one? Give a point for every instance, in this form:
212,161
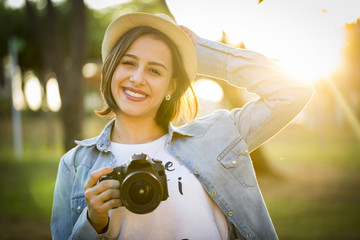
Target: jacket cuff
84,230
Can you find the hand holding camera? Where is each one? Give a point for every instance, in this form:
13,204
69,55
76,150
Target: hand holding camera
143,183
140,186
100,198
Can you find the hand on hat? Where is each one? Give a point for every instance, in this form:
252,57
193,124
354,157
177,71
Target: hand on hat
195,38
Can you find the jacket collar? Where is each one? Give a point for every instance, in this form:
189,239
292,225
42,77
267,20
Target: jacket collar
102,141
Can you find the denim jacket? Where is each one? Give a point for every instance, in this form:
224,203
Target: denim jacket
215,148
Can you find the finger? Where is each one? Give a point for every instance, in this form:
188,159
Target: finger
94,176
194,38
109,195
101,187
185,29
105,207
97,202
112,203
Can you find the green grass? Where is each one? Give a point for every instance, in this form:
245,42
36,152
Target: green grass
316,197
27,184
26,188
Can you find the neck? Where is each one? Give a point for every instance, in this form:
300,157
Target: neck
135,131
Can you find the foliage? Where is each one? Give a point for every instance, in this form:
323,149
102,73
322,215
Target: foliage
348,78
13,23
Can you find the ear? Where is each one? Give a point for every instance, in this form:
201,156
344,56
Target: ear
172,87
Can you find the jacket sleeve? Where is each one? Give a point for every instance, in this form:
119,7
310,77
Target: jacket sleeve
63,226
281,97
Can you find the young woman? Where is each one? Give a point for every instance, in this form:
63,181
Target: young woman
149,64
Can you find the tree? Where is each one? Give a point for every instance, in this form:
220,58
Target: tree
13,24
63,58
349,80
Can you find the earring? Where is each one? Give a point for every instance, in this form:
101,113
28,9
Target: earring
167,97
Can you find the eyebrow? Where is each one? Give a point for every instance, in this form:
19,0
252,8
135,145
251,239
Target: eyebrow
151,63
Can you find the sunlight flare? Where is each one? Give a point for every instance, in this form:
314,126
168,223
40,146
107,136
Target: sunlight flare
305,37
344,106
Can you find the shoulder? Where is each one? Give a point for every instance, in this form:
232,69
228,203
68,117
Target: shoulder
86,152
200,126
79,154
213,118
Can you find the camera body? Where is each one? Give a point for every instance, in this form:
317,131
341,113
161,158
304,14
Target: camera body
143,183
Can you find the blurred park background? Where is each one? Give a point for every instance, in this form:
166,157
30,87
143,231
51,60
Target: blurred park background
49,88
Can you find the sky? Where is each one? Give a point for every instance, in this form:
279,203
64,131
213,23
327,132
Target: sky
306,37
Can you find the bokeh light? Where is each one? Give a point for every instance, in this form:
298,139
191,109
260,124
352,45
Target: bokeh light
18,97
90,69
15,3
208,90
33,91
53,95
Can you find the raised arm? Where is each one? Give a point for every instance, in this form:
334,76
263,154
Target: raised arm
281,96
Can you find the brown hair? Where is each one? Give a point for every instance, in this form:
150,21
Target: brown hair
183,104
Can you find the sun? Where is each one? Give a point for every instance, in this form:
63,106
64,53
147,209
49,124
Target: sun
305,37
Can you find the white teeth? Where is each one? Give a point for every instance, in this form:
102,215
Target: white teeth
134,94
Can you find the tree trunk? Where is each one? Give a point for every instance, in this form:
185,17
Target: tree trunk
72,90
67,65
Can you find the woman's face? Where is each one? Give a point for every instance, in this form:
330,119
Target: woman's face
142,78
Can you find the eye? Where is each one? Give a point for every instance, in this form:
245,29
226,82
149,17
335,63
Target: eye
155,71
128,63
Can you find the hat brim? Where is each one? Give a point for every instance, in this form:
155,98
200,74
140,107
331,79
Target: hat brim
126,22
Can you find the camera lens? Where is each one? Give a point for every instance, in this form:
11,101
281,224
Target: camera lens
141,192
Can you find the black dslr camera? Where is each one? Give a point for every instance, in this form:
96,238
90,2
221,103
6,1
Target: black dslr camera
143,183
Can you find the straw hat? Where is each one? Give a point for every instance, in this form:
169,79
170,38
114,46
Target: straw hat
161,22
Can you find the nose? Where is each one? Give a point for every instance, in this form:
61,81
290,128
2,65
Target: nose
137,77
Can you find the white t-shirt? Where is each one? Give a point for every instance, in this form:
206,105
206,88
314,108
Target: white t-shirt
188,213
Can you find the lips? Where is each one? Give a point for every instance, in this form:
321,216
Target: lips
134,94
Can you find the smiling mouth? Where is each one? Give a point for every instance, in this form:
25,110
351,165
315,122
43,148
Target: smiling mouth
134,94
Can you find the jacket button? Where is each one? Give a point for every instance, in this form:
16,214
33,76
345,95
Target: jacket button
177,156
196,172
248,235
230,214
213,193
